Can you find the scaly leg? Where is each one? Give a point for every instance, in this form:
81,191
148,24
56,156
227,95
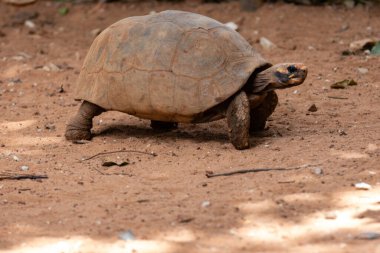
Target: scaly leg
259,114
238,120
79,127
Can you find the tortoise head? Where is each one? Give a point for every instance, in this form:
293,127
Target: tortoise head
280,76
289,74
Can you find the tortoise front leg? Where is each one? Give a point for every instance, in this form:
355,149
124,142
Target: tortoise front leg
238,121
259,114
79,127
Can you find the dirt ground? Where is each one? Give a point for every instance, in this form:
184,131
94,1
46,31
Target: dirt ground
166,201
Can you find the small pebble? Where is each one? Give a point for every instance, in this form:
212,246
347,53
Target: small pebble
127,235
24,168
296,92
51,67
61,90
267,44
362,186
313,108
363,70
361,45
344,27
50,126
341,132
205,203
317,171
343,84
30,24
15,158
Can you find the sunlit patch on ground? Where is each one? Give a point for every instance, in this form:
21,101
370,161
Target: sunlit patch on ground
31,141
349,154
14,70
10,126
346,216
261,228
81,244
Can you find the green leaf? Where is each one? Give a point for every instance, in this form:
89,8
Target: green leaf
376,49
63,11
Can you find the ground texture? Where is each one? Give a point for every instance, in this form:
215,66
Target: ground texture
166,200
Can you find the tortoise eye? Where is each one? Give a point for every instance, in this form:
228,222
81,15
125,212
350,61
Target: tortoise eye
292,68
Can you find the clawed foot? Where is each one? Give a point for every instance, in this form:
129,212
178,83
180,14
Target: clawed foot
79,127
74,134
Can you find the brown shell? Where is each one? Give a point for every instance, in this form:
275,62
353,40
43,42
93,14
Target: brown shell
168,66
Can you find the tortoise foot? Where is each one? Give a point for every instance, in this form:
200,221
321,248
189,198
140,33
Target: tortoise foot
163,126
73,134
79,127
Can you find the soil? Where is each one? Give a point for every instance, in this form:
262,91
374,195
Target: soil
165,202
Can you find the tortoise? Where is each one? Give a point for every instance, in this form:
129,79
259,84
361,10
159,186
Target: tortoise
179,67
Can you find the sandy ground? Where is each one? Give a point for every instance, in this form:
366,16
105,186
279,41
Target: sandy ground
166,200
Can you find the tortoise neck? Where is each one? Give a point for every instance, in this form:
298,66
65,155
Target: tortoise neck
261,80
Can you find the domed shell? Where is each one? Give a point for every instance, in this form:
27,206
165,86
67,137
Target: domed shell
169,66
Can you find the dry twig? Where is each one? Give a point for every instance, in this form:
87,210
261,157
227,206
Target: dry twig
210,174
335,97
119,151
21,176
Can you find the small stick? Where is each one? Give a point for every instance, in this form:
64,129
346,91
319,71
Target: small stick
100,171
110,174
21,176
334,97
119,151
210,174
286,182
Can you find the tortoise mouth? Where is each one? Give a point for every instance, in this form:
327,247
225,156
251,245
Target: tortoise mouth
291,79
295,81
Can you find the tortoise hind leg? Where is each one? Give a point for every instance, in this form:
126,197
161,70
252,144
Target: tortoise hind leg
261,113
163,126
79,127
238,120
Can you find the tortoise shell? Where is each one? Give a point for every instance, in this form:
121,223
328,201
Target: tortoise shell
169,66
